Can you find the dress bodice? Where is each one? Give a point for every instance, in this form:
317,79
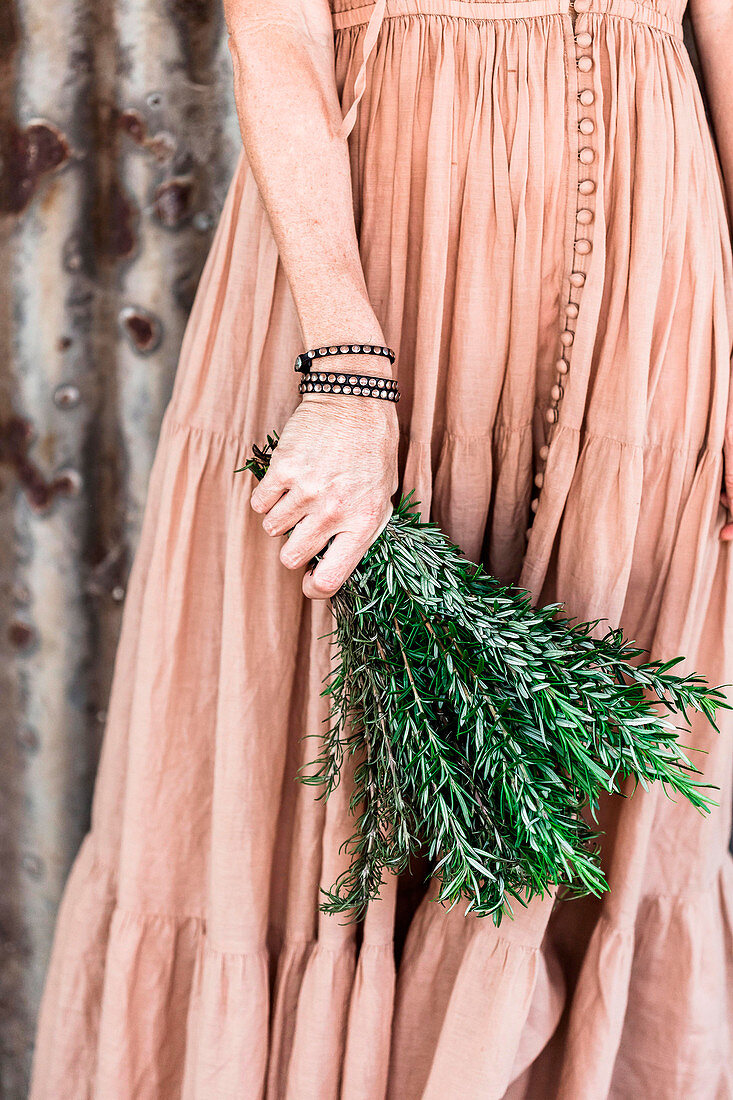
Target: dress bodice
663,15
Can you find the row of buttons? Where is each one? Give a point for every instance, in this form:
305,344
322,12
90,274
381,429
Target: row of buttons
582,245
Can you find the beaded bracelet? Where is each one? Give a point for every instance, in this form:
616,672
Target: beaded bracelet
305,360
363,385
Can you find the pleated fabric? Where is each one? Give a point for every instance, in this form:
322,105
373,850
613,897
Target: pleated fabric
546,246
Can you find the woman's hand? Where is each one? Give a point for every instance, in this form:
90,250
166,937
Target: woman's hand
332,475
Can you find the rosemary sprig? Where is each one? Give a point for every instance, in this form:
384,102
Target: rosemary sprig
485,730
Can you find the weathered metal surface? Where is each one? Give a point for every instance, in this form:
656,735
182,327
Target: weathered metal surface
117,139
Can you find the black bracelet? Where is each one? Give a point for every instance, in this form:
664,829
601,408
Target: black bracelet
361,385
304,362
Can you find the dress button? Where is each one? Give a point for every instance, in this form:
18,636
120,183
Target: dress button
586,126
527,533
587,156
566,338
584,216
586,187
583,39
535,504
571,309
582,246
586,97
539,480
544,452
551,416
585,64
577,279
562,366
556,393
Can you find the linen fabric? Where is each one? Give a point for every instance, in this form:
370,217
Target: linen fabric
544,239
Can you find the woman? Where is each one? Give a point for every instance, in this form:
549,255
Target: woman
523,201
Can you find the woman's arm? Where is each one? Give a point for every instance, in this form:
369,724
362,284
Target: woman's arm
335,468
712,21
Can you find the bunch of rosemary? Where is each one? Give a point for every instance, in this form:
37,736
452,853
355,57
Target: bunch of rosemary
485,730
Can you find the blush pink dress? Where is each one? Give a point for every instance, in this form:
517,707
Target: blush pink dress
543,233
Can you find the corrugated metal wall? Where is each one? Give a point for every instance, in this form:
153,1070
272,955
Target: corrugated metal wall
117,139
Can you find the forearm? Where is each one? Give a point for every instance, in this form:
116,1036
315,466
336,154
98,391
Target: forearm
289,116
713,25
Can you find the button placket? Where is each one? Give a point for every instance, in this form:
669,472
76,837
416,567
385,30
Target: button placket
582,238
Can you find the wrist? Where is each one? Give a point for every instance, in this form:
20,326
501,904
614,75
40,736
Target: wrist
354,407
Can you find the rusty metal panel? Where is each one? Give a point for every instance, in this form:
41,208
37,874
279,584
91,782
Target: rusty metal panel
117,140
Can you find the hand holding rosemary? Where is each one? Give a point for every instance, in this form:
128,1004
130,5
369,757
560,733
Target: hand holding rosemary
485,730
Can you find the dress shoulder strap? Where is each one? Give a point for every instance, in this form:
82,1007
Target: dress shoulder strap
370,40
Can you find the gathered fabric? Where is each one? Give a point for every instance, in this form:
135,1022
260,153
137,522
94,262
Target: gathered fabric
544,240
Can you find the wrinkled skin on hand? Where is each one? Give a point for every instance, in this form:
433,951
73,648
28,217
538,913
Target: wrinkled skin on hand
332,476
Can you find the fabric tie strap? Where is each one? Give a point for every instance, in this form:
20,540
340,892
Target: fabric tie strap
370,40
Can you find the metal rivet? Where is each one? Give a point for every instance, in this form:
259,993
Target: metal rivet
66,396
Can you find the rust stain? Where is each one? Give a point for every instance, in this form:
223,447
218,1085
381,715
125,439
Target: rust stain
108,570
27,156
131,122
196,11
20,634
9,31
173,201
122,229
16,435
142,329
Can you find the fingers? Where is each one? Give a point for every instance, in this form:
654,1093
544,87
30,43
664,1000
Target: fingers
308,538
268,491
335,567
284,514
